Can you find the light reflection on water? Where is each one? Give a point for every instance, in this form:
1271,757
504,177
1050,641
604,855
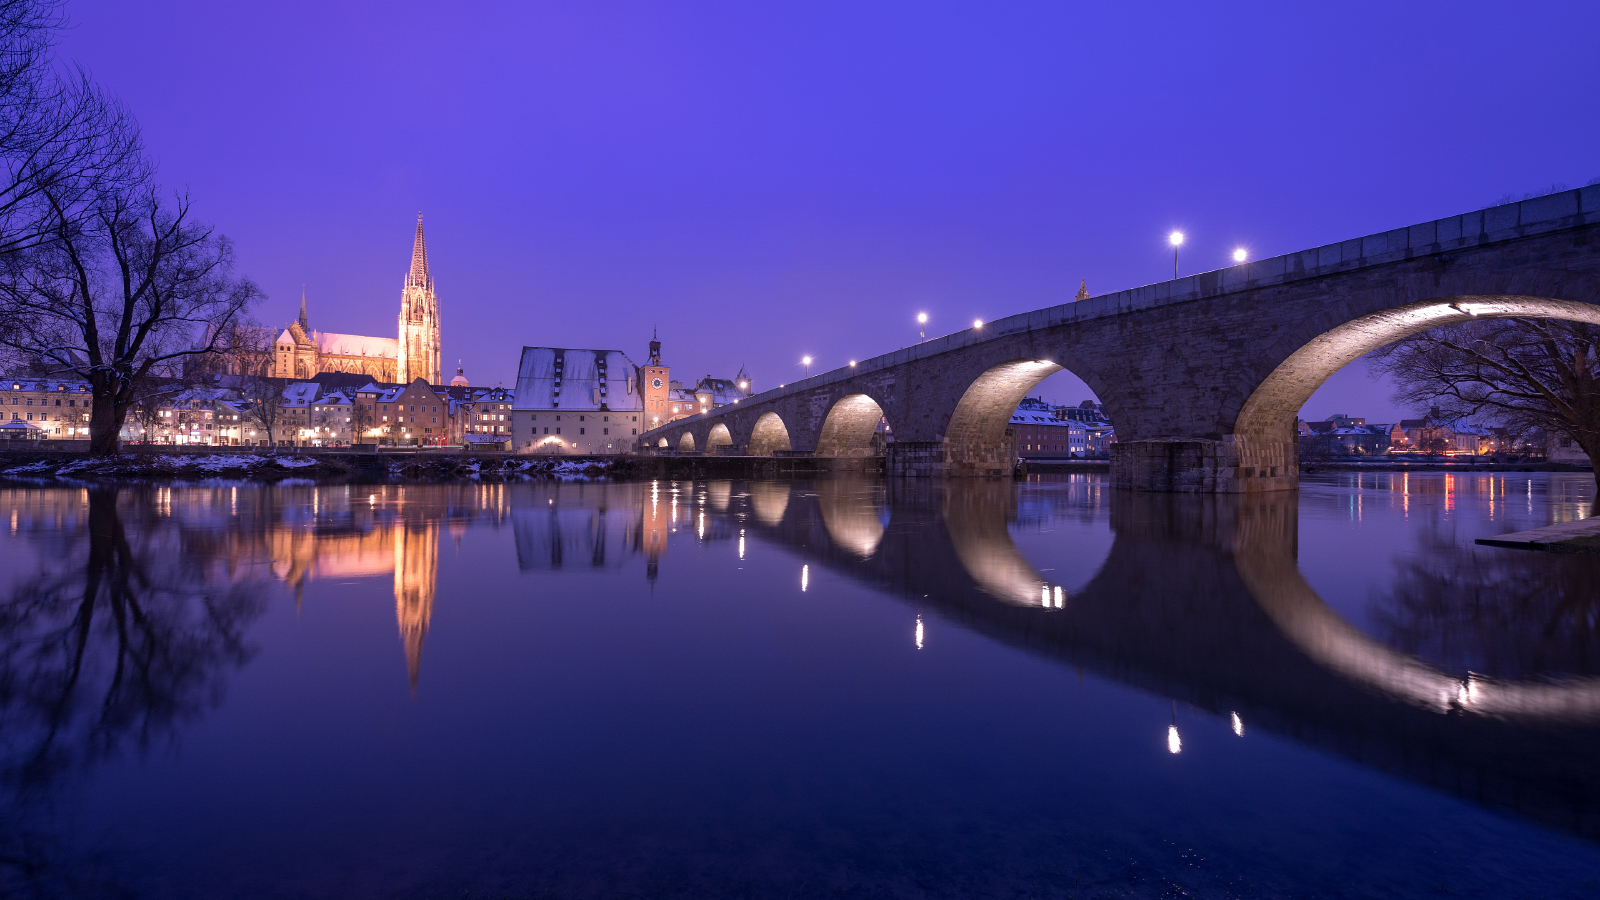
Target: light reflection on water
599,635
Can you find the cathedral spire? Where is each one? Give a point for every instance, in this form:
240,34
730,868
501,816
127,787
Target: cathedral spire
419,318
419,258
305,323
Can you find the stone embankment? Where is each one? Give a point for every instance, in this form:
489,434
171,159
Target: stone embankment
37,467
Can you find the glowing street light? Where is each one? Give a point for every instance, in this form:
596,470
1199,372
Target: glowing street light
977,323
922,331
806,361
852,364
1240,255
1176,240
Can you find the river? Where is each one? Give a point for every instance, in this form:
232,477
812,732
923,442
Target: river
833,688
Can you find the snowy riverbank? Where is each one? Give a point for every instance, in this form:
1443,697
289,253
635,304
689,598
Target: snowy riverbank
36,467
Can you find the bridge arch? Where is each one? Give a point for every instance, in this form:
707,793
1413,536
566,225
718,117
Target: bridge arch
1269,412
769,436
719,436
663,444
975,441
849,426
685,442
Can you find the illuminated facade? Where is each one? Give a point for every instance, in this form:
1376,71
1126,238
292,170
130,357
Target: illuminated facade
302,352
57,409
576,402
657,387
419,318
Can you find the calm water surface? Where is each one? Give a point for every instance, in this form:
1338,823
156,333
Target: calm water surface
817,689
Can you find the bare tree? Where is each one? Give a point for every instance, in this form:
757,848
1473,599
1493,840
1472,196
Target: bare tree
362,418
122,295
251,349
63,141
1530,374
151,396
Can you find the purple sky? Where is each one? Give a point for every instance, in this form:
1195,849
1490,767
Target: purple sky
764,181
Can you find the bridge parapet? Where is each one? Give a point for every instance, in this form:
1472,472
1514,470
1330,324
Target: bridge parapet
1202,376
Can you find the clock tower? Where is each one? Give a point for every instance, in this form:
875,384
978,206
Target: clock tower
655,387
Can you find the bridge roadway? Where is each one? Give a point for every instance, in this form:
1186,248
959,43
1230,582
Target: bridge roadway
1202,376
1199,599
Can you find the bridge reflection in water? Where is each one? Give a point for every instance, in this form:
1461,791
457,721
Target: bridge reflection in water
1201,599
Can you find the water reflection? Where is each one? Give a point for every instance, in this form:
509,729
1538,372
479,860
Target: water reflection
1479,677
119,625
344,533
1200,598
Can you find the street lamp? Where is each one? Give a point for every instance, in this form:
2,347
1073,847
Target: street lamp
806,361
922,331
977,323
1240,255
1176,240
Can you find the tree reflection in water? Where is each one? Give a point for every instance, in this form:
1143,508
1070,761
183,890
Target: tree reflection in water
120,635
1510,614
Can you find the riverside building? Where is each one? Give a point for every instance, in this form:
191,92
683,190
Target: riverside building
578,402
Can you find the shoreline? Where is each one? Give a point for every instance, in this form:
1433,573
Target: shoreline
253,465
35,467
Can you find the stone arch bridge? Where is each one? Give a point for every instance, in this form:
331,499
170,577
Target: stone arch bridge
1202,376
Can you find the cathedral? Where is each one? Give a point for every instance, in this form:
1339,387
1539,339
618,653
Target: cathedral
302,352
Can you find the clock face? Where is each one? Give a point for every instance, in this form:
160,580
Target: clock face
655,383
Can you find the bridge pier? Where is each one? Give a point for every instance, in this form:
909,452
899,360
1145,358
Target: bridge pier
914,459
1233,465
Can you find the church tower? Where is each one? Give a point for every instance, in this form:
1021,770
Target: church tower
419,318
656,392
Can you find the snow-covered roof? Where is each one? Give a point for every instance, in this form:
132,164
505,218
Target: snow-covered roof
300,393
578,380
1035,418
723,391
357,345
43,384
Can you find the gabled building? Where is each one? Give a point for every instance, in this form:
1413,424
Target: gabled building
714,393
414,415
1040,435
576,402
483,417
